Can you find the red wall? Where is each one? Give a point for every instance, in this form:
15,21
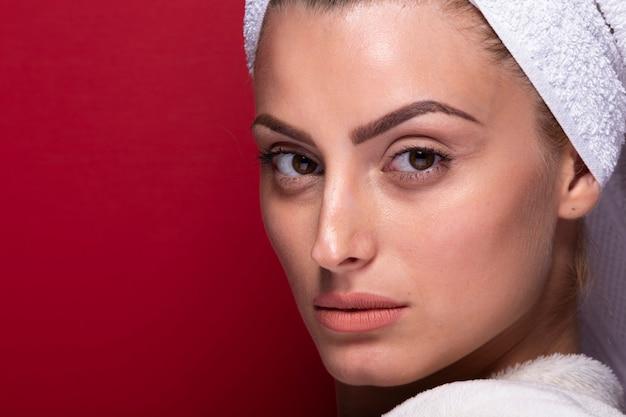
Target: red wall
134,268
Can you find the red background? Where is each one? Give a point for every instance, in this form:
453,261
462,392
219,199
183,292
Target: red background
136,277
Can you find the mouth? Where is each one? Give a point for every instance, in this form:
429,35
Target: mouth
356,312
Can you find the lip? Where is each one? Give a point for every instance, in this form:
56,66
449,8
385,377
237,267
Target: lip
356,312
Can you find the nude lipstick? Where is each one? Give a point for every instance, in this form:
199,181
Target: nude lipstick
356,312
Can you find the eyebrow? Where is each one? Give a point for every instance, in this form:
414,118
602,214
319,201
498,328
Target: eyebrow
372,129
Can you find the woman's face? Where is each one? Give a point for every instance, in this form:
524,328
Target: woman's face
462,241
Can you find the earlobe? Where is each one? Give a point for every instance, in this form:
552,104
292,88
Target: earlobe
580,190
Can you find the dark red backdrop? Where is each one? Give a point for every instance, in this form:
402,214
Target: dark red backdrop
135,272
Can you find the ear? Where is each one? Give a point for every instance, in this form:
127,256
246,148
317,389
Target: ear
579,190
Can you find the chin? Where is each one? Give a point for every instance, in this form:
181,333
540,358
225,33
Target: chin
368,365
363,375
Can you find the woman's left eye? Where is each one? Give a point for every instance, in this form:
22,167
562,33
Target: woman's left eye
417,163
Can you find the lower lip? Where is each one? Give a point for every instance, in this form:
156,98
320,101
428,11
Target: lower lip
358,320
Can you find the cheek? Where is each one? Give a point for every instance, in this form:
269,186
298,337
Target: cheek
478,255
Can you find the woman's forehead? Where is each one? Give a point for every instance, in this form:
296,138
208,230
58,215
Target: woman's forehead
373,56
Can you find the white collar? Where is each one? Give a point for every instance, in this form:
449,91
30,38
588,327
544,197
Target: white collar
572,372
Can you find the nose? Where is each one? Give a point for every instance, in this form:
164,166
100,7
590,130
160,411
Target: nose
344,239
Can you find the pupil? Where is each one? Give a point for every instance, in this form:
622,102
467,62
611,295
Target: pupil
421,160
302,164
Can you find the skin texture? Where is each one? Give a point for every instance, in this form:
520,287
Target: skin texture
476,246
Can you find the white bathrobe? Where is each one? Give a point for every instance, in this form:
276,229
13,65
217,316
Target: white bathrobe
573,385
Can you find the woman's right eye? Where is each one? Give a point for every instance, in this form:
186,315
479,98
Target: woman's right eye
289,163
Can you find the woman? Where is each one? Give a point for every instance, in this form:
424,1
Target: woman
427,167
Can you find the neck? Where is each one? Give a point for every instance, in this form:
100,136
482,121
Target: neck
549,327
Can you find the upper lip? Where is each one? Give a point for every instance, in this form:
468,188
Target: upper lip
355,300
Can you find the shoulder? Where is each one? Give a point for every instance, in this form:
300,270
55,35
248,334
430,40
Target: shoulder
565,385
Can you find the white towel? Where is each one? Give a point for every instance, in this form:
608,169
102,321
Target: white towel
549,386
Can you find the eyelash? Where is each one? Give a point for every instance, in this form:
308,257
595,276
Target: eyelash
266,158
413,176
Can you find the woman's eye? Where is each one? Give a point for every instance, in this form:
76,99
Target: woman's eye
418,159
293,164
288,163
417,163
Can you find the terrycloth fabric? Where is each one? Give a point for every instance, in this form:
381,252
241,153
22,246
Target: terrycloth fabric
252,22
603,309
549,386
567,51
